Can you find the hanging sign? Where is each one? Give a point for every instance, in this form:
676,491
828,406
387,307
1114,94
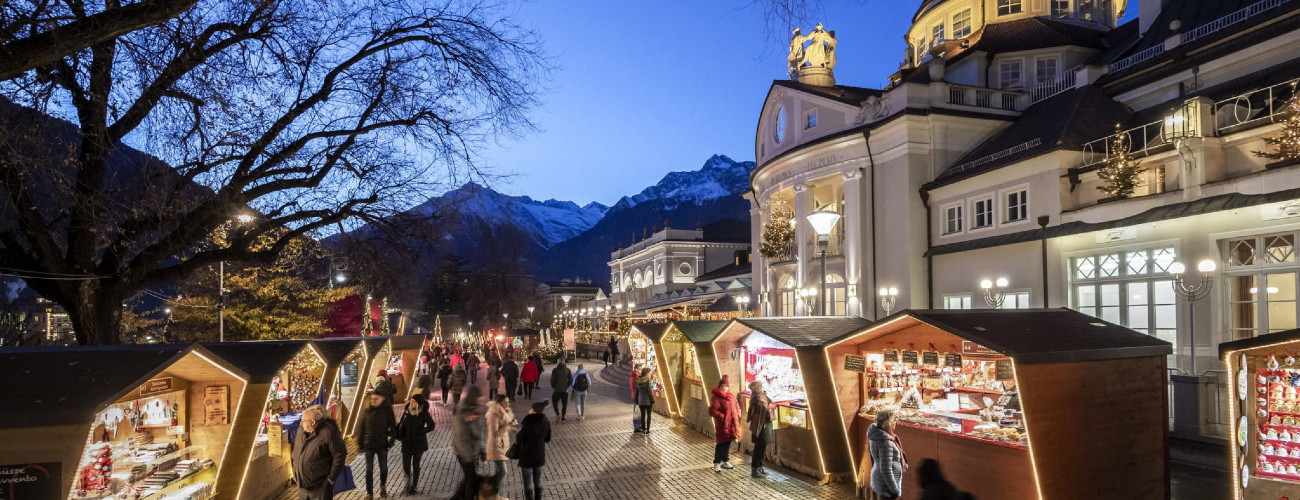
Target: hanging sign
930,358
216,405
697,392
910,357
274,436
1004,369
156,386
952,360
968,347
854,363
891,355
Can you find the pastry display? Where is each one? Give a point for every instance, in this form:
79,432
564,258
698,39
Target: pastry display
1278,419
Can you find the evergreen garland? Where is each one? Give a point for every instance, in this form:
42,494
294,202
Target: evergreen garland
1287,145
1120,172
778,232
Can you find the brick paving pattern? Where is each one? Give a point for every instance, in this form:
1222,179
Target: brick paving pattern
601,459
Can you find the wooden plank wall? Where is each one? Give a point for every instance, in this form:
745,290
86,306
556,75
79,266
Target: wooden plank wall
1098,429
985,470
242,433
823,410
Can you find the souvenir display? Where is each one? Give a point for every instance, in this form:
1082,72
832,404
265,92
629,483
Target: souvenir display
643,354
763,359
293,389
1278,416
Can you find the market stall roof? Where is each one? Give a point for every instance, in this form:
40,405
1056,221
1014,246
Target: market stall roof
522,332
66,385
374,344
652,331
700,331
260,359
407,342
1030,335
336,350
1260,341
805,331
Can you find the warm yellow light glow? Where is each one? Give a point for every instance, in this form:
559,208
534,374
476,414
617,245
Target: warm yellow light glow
1029,437
1232,425
668,381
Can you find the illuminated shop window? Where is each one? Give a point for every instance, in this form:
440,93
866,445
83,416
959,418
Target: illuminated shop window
1132,288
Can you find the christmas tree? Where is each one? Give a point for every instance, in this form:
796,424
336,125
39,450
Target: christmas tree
778,232
1120,172
1287,145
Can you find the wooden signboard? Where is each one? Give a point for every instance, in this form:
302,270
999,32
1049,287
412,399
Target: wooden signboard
930,358
891,355
968,347
910,357
1005,372
216,405
274,435
156,386
697,392
952,360
854,363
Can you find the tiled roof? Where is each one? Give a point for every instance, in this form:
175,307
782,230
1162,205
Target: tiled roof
406,342
700,331
1023,34
1190,14
260,359
842,93
652,331
334,350
805,331
727,271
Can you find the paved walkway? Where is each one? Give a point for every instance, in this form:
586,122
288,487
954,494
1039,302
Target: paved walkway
601,459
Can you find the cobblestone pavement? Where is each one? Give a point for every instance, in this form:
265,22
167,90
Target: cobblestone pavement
600,459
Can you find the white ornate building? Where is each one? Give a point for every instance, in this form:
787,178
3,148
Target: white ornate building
979,161
667,266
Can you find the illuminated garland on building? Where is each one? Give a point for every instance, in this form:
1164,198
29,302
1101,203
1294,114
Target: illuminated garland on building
1287,145
1120,172
778,231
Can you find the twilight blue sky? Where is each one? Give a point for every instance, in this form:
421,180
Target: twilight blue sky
645,88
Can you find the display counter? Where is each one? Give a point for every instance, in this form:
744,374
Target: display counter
127,422
646,351
1264,397
985,393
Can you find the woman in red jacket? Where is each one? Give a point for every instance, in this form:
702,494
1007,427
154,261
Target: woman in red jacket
529,376
726,423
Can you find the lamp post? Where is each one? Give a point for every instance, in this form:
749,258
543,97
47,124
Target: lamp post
742,303
1192,293
530,316
888,297
809,299
823,221
505,320
994,296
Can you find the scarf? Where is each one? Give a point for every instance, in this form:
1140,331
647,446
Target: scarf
901,453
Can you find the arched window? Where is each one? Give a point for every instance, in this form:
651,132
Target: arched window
786,304
649,276
836,295
637,280
627,282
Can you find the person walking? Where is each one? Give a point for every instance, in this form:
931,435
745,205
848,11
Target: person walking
759,417
613,350
510,372
456,383
494,378
384,387
467,439
581,383
444,373
318,455
501,423
529,375
645,398
726,423
374,437
561,381
471,367
631,380
424,372
415,423
933,484
888,462
534,433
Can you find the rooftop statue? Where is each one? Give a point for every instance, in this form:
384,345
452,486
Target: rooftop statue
812,56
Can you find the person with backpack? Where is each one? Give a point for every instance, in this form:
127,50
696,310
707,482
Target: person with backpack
529,375
645,398
510,372
533,435
888,462
581,383
561,379
415,423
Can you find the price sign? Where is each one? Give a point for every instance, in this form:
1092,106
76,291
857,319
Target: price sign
156,386
952,360
930,358
1004,370
891,355
968,347
854,363
910,357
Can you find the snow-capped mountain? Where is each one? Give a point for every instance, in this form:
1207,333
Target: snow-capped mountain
545,222
721,176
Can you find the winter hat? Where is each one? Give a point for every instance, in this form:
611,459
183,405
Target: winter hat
755,386
539,407
726,380
383,373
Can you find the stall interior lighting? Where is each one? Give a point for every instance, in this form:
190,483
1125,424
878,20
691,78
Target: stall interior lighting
1029,439
1233,398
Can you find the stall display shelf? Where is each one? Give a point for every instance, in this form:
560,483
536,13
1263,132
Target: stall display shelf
964,436
1274,475
170,456
1275,457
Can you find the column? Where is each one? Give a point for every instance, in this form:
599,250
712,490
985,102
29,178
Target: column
801,231
759,275
853,243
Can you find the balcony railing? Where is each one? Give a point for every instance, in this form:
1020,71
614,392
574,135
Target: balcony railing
789,254
962,95
1142,140
1256,107
1054,86
1139,57
1248,12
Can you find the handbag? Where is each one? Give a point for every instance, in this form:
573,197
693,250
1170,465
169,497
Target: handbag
636,418
513,452
345,482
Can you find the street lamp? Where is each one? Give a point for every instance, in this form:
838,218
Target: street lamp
994,296
742,303
1192,293
809,298
823,221
888,297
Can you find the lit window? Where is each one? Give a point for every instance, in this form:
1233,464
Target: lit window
1009,73
956,301
983,210
920,50
1133,289
1045,70
811,120
1015,300
778,128
961,24
836,295
952,220
787,297
1017,207
1262,284
938,35
1006,7
1060,8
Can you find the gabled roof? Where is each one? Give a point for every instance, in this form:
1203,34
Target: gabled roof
1260,341
846,94
1033,335
1068,120
374,344
260,359
700,331
335,350
806,331
652,331
725,303
1022,34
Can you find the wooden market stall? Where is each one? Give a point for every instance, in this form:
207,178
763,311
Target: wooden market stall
284,377
647,352
1264,397
1016,404
688,349
787,355
377,356
129,421
344,358
404,355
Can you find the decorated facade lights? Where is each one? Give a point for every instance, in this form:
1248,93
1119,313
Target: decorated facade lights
995,292
1192,293
888,298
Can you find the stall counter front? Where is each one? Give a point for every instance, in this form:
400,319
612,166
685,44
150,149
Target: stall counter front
999,397
1264,402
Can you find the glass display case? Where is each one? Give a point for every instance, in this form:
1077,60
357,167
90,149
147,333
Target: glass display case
792,416
1277,391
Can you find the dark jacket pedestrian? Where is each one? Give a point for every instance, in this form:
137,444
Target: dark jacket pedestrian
726,423
888,462
494,379
561,381
645,397
933,484
613,349
375,434
384,387
411,430
510,372
444,373
759,417
471,367
469,441
534,433
318,455
456,383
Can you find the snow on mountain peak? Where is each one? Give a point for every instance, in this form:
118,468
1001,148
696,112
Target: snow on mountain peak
720,176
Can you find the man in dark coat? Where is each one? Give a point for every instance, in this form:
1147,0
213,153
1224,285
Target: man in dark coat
561,380
384,387
374,436
510,372
613,350
471,367
318,455
534,433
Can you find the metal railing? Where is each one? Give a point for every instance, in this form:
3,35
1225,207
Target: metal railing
1054,86
1245,13
1252,108
1139,57
1141,140
1219,417
789,254
996,156
962,95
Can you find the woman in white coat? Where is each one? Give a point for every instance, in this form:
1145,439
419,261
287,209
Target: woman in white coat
501,424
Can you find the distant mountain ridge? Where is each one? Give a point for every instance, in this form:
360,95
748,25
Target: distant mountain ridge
545,222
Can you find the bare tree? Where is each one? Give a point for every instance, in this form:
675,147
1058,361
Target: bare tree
271,118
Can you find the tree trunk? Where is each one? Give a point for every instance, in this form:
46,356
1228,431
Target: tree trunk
96,316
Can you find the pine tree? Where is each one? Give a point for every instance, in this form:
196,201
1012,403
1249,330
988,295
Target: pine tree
1287,145
1120,172
778,232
